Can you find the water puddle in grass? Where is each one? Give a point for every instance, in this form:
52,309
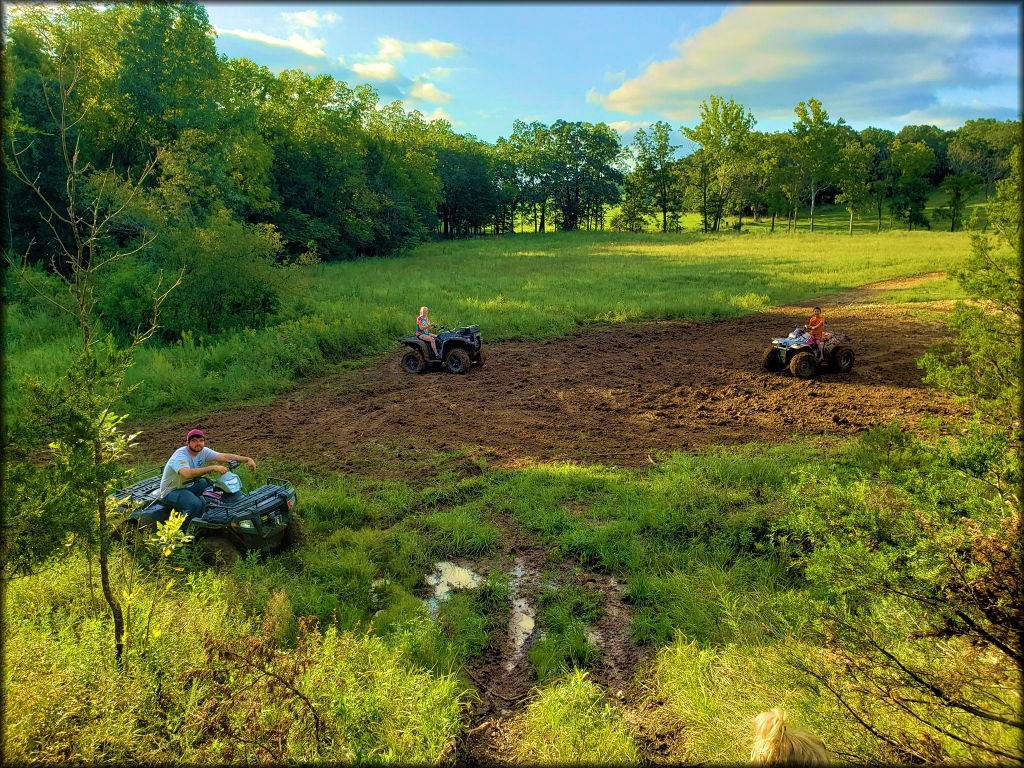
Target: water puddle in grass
446,577
521,622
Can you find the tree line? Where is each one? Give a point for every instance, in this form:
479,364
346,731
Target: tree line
247,172
874,173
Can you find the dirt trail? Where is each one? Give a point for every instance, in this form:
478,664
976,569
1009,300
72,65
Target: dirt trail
610,394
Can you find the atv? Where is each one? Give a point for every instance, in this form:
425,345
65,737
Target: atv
232,520
459,349
799,353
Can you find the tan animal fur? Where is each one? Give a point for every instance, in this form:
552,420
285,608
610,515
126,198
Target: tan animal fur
776,743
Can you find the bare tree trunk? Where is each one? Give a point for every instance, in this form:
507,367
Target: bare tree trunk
814,194
108,593
851,223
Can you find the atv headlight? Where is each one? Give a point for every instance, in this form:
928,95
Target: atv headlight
247,524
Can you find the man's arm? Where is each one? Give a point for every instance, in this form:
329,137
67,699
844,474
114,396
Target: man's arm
188,473
236,457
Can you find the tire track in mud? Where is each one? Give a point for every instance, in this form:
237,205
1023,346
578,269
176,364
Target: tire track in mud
503,674
609,394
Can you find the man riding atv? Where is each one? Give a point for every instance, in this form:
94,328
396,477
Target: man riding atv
188,464
221,515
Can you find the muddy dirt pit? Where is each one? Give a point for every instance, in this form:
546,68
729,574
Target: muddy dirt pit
612,394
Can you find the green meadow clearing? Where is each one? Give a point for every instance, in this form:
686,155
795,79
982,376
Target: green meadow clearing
514,287
729,558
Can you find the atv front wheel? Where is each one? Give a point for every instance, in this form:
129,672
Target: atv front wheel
771,361
843,359
294,534
219,552
480,357
413,362
802,365
457,361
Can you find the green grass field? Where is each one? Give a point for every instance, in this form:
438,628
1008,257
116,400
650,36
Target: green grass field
514,287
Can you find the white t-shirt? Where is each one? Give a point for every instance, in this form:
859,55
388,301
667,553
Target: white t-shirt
180,459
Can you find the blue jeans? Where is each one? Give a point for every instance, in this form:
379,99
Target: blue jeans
189,500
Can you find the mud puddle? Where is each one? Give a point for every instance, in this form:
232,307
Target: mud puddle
446,577
504,676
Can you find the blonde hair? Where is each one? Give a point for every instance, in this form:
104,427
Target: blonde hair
775,742
423,310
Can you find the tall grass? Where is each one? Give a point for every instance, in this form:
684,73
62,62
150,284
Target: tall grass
571,723
514,287
181,696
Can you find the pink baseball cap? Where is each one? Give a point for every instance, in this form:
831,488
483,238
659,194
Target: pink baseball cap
194,433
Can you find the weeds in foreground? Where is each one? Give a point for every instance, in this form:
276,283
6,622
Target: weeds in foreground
738,563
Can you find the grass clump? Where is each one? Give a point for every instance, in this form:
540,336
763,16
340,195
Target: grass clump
571,722
709,696
565,614
471,618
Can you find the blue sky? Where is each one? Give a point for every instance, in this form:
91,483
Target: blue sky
483,66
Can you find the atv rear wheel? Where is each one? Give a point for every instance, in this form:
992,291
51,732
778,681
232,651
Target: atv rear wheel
413,362
771,361
219,552
802,365
843,359
457,361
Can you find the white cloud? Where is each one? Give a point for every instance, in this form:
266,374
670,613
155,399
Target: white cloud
435,49
294,41
376,70
877,60
438,114
622,126
341,59
393,49
440,72
429,92
307,19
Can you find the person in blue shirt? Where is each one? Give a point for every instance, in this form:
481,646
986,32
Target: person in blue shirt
188,465
423,330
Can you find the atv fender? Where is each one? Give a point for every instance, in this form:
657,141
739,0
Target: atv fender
420,345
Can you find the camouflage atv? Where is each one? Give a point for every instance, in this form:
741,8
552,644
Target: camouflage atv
798,353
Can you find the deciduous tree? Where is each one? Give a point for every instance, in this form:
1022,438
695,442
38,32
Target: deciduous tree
724,134
818,143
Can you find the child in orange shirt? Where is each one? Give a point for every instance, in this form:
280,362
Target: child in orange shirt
816,327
